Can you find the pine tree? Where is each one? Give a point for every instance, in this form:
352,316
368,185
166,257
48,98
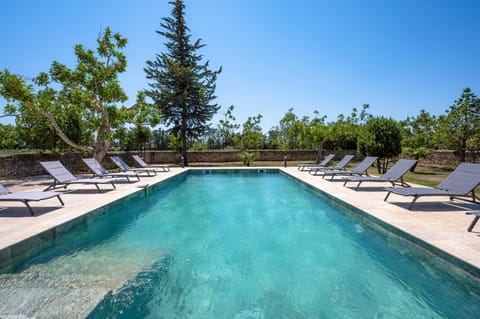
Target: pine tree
182,87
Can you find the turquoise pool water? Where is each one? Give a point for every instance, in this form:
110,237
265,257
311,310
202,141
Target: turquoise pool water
234,245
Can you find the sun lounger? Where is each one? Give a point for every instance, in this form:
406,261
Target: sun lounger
394,175
101,171
324,163
26,197
141,163
459,184
358,170
340,165
63,177
125,168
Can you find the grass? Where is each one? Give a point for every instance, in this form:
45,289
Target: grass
24,152
427,176
422,175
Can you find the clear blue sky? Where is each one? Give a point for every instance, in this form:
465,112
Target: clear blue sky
399,56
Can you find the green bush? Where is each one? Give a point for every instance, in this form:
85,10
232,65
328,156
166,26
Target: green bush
380,137
247,158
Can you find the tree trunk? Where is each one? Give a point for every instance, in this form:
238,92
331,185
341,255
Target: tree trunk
463,151
385,165
101,149
184,139
62,135
184,150
319,153
379,166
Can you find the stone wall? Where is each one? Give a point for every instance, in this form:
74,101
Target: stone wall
27,165
162,157
448,159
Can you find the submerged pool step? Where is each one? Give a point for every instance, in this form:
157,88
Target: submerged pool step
49,302
135,297
56,290
40,293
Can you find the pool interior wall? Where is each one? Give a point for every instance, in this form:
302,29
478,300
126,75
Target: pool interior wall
164,263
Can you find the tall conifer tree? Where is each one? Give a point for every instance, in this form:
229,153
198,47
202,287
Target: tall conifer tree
182,87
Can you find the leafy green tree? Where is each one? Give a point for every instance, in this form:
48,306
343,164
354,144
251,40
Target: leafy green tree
182,88
273,139
80,104
417,152
290,131
214,139
360,118
8,137
318,132
139,138
247,157
198,146
160,139
460,127
227,128
174,143
36,131
252,136
120,139
418,132
380,137
343,133
297,133
293,131
136,138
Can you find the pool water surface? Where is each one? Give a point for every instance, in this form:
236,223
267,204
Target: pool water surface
235,245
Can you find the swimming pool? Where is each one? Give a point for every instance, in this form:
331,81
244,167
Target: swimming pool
233,245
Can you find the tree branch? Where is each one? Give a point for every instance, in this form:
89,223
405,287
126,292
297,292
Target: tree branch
60,133
7,115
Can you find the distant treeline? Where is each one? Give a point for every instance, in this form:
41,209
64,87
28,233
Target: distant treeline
458,129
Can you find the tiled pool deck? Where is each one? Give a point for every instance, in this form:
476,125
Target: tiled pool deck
436,221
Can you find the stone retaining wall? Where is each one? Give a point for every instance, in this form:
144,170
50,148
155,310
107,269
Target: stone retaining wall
447,158
162,157
27,165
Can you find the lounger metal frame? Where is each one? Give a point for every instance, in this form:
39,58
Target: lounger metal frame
409,164
7,196
56,168
460,184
